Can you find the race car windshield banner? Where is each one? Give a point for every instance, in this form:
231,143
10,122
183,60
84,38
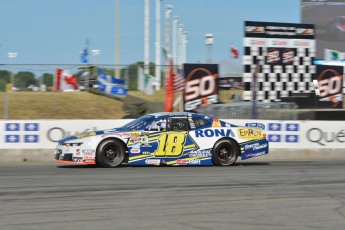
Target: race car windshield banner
201,85
330,81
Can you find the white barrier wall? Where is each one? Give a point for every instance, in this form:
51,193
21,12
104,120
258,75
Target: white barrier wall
43,134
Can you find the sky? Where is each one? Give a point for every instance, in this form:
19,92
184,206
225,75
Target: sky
54,31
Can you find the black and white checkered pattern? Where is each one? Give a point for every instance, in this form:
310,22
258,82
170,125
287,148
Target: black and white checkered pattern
276,81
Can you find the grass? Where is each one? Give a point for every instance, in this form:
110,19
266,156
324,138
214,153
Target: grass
74,105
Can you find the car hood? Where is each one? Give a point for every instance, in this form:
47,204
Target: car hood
93,133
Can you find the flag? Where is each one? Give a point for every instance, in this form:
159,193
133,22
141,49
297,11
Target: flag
333,55
179,82
110,84
84,56
234,52
65,81
145,81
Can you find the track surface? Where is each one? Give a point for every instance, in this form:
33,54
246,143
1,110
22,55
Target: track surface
276,195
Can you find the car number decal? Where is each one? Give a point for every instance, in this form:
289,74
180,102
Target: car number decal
170,144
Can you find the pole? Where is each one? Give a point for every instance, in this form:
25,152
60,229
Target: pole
117,72
184,47
179,44
168,11
257,70
147,38
158,45
174,38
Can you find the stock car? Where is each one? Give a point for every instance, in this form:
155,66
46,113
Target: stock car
166,139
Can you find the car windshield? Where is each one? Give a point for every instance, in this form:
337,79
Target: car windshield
139,123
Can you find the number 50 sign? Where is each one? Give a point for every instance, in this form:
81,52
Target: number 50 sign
330,84
201,85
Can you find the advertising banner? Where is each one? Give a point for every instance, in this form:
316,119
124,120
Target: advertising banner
328,16
284,52
280,56
201,85
44,134
330,81
279,30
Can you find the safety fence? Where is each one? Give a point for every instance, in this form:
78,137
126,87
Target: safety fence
248,110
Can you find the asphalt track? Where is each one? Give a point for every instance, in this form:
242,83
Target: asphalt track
261,195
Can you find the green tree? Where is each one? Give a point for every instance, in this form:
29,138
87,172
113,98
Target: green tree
47,79
5,77
24,78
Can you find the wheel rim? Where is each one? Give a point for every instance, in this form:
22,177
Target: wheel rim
111,154
226,153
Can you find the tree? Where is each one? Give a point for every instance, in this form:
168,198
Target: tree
5,78
24,78
47,79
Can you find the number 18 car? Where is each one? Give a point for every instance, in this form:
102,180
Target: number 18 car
169,139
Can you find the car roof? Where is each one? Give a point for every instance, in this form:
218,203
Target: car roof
176,114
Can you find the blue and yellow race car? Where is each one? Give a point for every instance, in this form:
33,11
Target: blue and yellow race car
166,139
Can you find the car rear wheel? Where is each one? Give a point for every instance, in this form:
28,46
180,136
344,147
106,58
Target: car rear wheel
225,152
110,153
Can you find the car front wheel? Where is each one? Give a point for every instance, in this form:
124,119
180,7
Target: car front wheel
110,153
225,152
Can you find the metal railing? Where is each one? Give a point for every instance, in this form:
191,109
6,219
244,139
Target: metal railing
244,110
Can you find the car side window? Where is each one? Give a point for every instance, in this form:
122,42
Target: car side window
199,122
178,124
160,125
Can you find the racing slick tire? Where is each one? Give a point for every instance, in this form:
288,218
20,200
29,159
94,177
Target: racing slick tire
225,152
110,153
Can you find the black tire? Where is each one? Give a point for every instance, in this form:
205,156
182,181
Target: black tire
110,153
225,152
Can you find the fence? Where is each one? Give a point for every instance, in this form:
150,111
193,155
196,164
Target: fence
244,110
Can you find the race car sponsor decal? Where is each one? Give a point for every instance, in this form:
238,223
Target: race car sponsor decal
200,153
250,134
188,162
255,125
216,123
82,135
214,133
253,148
88,151
153,161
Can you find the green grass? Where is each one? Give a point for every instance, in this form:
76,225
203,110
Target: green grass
56,105
74,105
77,105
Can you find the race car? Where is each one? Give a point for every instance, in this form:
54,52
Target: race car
166,139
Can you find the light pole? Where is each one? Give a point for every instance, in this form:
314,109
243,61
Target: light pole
179,45
158,45
12,56
147,37
117,68
95,53
209,43
174,40
184,47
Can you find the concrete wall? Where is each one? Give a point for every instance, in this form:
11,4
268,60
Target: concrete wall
35,140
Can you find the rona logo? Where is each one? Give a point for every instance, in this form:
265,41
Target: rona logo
214,133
